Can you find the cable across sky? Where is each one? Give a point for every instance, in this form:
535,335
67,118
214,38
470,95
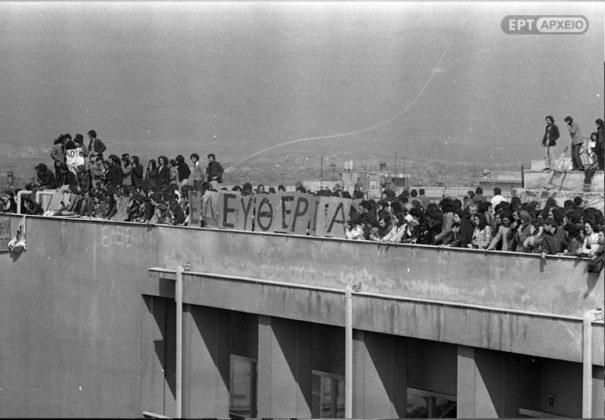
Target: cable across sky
434,71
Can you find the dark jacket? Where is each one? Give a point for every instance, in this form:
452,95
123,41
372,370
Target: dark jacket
466,231
46,178
137,175
553,243
113,176
151,178
96,147
183,171
163,177
554,135
214,172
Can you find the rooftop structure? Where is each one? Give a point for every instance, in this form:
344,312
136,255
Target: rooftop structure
92,327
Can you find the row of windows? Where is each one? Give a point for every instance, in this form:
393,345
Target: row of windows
327,395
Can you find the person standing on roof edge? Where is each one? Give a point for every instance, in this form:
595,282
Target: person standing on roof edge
551,135
576,143
95,147
214,172
600,146
198,172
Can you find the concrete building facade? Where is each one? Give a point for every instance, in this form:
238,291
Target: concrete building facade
91,327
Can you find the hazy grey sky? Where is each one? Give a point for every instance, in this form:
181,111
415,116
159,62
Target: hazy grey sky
234,78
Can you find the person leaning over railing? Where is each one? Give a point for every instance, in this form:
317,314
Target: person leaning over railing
501,241
482,234
592,237
553,240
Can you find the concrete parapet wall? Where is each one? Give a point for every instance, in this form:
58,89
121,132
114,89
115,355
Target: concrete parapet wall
568,181
590,199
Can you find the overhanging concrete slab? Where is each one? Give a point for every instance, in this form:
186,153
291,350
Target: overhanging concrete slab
523,332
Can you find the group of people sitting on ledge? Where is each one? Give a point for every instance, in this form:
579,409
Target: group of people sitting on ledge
476,222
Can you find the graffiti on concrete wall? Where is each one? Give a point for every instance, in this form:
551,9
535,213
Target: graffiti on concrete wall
120,236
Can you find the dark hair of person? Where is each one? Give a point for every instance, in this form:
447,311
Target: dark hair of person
483,206
448,206
594,136
482,220
497,191
135,159
506,213
92,133
194,156
599,122
558,214
414,193
593,224
79,139
432,208
577,201
573,230
421,191
114,159
417,213
180,158
568,120
58,140
478,190
211,155
164,160
172,162
550,118
153,164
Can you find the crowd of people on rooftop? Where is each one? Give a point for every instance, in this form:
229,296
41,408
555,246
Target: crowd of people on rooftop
481,223
158,193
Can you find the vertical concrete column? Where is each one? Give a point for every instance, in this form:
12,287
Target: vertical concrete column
488,383
284,368
205,362
598,392
379,375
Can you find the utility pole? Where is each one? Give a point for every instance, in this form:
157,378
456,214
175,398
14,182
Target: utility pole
321,173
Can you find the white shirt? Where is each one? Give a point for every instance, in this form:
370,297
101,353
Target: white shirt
497,199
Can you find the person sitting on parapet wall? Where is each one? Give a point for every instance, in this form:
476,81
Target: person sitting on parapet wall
45,177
